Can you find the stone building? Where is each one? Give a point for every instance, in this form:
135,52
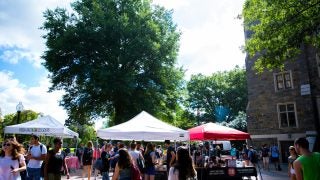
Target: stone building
283,105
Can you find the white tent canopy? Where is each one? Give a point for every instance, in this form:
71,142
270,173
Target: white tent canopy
144,127
46,125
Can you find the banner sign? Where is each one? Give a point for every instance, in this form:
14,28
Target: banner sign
34,130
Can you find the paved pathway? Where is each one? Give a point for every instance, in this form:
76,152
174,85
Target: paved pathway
266,175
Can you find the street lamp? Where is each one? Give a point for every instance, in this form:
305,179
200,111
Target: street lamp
19,108
198,116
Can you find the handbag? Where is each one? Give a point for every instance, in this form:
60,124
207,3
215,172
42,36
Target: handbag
141,164
23,174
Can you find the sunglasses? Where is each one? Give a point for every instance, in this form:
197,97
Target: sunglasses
7,144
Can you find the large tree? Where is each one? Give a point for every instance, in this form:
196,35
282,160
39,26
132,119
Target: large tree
113,58
278,28
220,96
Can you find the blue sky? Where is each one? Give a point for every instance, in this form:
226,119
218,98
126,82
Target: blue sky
211,40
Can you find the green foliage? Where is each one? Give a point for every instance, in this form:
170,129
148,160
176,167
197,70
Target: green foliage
11,119
227,89
113,59
86,133
239,122
277,29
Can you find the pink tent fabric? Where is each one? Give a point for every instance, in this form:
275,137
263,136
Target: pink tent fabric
212,131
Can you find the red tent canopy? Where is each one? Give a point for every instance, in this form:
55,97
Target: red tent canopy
212,131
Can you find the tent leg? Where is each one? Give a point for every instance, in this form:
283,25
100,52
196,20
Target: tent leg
76,147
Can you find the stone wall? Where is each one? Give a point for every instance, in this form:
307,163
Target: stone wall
263,97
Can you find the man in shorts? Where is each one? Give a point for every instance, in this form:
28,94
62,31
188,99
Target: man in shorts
275,157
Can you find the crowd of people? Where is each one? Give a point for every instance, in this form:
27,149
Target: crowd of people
122,158
37,162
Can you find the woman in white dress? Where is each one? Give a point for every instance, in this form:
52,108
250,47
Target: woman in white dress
12,161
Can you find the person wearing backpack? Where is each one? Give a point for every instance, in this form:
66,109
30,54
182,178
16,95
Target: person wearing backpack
36,155
275,157
79,153
136,156
87,158
54,162
253,156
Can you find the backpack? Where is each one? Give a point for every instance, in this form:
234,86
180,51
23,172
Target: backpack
254,156
274,151
135,173
98,164
148,160
23,174
265,152
43,162
87,155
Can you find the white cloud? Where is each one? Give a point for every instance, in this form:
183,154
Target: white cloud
19,27
211,34
33,98
15,55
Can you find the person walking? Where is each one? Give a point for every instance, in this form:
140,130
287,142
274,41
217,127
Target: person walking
265,157
307,166
150,161
12,161
136,156
244,154
253,156
79,153
87,158
293,156
122,170
54,162
105,157
184,166
275,157
36,155
171,155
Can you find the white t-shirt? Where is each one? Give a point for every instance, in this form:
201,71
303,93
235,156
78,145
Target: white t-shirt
174,174
36,152
5,168
135,155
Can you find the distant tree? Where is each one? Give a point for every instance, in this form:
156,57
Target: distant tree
278,28
219,96
25,116
11,119
239,122
113,58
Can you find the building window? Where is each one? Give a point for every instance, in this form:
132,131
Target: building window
283,80
287,115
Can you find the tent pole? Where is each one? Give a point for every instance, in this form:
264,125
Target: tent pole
75,152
